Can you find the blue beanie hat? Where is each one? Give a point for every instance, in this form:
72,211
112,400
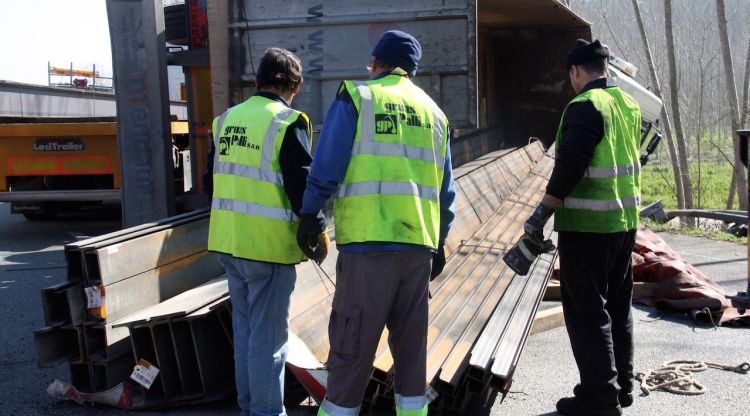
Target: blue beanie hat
400,49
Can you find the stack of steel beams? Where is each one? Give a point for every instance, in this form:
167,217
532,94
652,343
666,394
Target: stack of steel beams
189,339
111,277
165,302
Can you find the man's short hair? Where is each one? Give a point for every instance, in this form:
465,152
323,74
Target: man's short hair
597,66
279,68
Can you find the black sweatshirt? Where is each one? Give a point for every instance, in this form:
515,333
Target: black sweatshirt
582,130
294,157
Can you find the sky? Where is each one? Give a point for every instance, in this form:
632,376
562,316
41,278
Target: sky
58,31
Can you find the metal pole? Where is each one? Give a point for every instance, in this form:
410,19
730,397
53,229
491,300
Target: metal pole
143,130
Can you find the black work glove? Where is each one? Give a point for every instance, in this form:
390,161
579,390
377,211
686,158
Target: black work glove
534,226
312,238
438,262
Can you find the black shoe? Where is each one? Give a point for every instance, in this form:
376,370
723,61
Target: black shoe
573,406
625,398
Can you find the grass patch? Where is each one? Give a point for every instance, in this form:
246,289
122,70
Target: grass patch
710,190
710,233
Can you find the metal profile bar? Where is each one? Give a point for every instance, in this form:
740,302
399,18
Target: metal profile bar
187,360
389,17
183,304
74,255
143,348
215,359
63,303
95,342
74,195
513,340
438,301
166,359
451,368
483,351
81,376
55,344
110,372
129,296
126,233
122,260
448,307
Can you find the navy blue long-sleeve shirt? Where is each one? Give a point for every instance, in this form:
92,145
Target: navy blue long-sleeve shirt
331,161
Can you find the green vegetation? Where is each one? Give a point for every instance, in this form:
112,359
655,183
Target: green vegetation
710,233
709,192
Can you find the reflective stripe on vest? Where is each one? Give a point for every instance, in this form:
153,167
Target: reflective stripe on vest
368,145
251,208
388,188
600,205
601,172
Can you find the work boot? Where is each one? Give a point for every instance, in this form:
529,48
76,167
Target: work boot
625,398
574,406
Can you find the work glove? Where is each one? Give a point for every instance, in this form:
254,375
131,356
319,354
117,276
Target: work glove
312,239
438,262
534,226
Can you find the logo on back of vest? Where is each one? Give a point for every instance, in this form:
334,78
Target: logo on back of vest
402,114
385,124
234,136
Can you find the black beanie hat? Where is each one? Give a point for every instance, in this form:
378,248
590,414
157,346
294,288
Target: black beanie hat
400,49
586,52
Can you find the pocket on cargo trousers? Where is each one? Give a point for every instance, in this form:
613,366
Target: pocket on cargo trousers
343,330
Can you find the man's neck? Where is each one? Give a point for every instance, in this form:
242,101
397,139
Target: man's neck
286,95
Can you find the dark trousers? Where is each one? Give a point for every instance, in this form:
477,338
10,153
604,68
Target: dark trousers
376,290
597,289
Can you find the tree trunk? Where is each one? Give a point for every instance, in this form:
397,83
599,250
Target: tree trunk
664,116
746,91
732,191
739,170
680,137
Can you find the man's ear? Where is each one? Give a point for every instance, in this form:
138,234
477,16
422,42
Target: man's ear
295,90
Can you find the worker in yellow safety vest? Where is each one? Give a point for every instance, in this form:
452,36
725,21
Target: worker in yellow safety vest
261,158
594,192
384,154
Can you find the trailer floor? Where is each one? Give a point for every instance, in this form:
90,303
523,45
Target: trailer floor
31,258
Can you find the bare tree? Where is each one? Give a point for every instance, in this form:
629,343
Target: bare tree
739,172
680,138
679,190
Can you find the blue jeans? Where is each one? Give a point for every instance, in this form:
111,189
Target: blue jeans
260,294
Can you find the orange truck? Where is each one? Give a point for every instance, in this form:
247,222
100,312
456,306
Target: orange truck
51,165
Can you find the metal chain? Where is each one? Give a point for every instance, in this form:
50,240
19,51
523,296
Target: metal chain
677,376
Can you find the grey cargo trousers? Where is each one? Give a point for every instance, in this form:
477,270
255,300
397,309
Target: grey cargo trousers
373,290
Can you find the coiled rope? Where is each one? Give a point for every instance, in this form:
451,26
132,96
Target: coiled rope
677,376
